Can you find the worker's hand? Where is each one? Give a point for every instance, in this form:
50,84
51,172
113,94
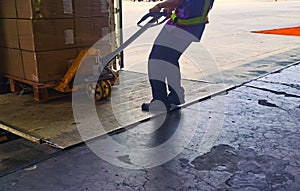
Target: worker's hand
156,8
168,11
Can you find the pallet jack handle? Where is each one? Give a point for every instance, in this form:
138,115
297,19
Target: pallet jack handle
154,21
101,63
155,18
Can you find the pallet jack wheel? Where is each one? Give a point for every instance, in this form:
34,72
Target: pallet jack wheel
95,91
106,86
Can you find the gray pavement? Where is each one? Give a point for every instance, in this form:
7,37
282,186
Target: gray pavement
244,139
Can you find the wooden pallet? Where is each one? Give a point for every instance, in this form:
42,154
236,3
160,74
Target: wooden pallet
40,90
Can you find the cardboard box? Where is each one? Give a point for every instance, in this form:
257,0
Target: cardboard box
33,9
90,30
46,34
8,9
9,33
91,8
11,62
48,65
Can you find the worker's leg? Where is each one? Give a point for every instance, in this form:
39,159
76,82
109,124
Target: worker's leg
163,64
157,72
176,95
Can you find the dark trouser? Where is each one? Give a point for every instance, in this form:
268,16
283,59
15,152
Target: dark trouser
163,66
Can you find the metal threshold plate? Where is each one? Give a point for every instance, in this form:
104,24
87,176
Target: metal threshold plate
53,122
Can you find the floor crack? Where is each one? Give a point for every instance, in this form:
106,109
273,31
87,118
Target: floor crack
295,86
275,92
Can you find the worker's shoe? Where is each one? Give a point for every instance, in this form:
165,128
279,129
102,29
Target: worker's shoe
176,101
177,98
156,106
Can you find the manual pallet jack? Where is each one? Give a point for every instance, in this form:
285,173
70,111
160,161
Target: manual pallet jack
101,88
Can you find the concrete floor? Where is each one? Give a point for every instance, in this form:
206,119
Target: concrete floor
246,139
19,153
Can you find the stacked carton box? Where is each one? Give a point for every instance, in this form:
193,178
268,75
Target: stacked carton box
8,9
9,38
40,39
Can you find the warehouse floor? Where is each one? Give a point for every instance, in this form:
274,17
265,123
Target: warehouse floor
15,154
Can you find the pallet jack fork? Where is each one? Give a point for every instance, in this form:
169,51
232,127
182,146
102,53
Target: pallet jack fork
102,88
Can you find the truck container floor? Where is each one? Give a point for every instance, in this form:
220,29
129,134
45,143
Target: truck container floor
52,122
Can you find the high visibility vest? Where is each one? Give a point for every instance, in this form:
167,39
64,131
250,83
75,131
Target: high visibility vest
193,21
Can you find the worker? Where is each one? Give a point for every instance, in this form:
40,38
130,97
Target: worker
186,25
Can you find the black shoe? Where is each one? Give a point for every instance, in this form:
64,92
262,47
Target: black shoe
176,99
156,106
145,107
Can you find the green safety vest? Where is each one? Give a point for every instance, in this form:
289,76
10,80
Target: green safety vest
193,21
